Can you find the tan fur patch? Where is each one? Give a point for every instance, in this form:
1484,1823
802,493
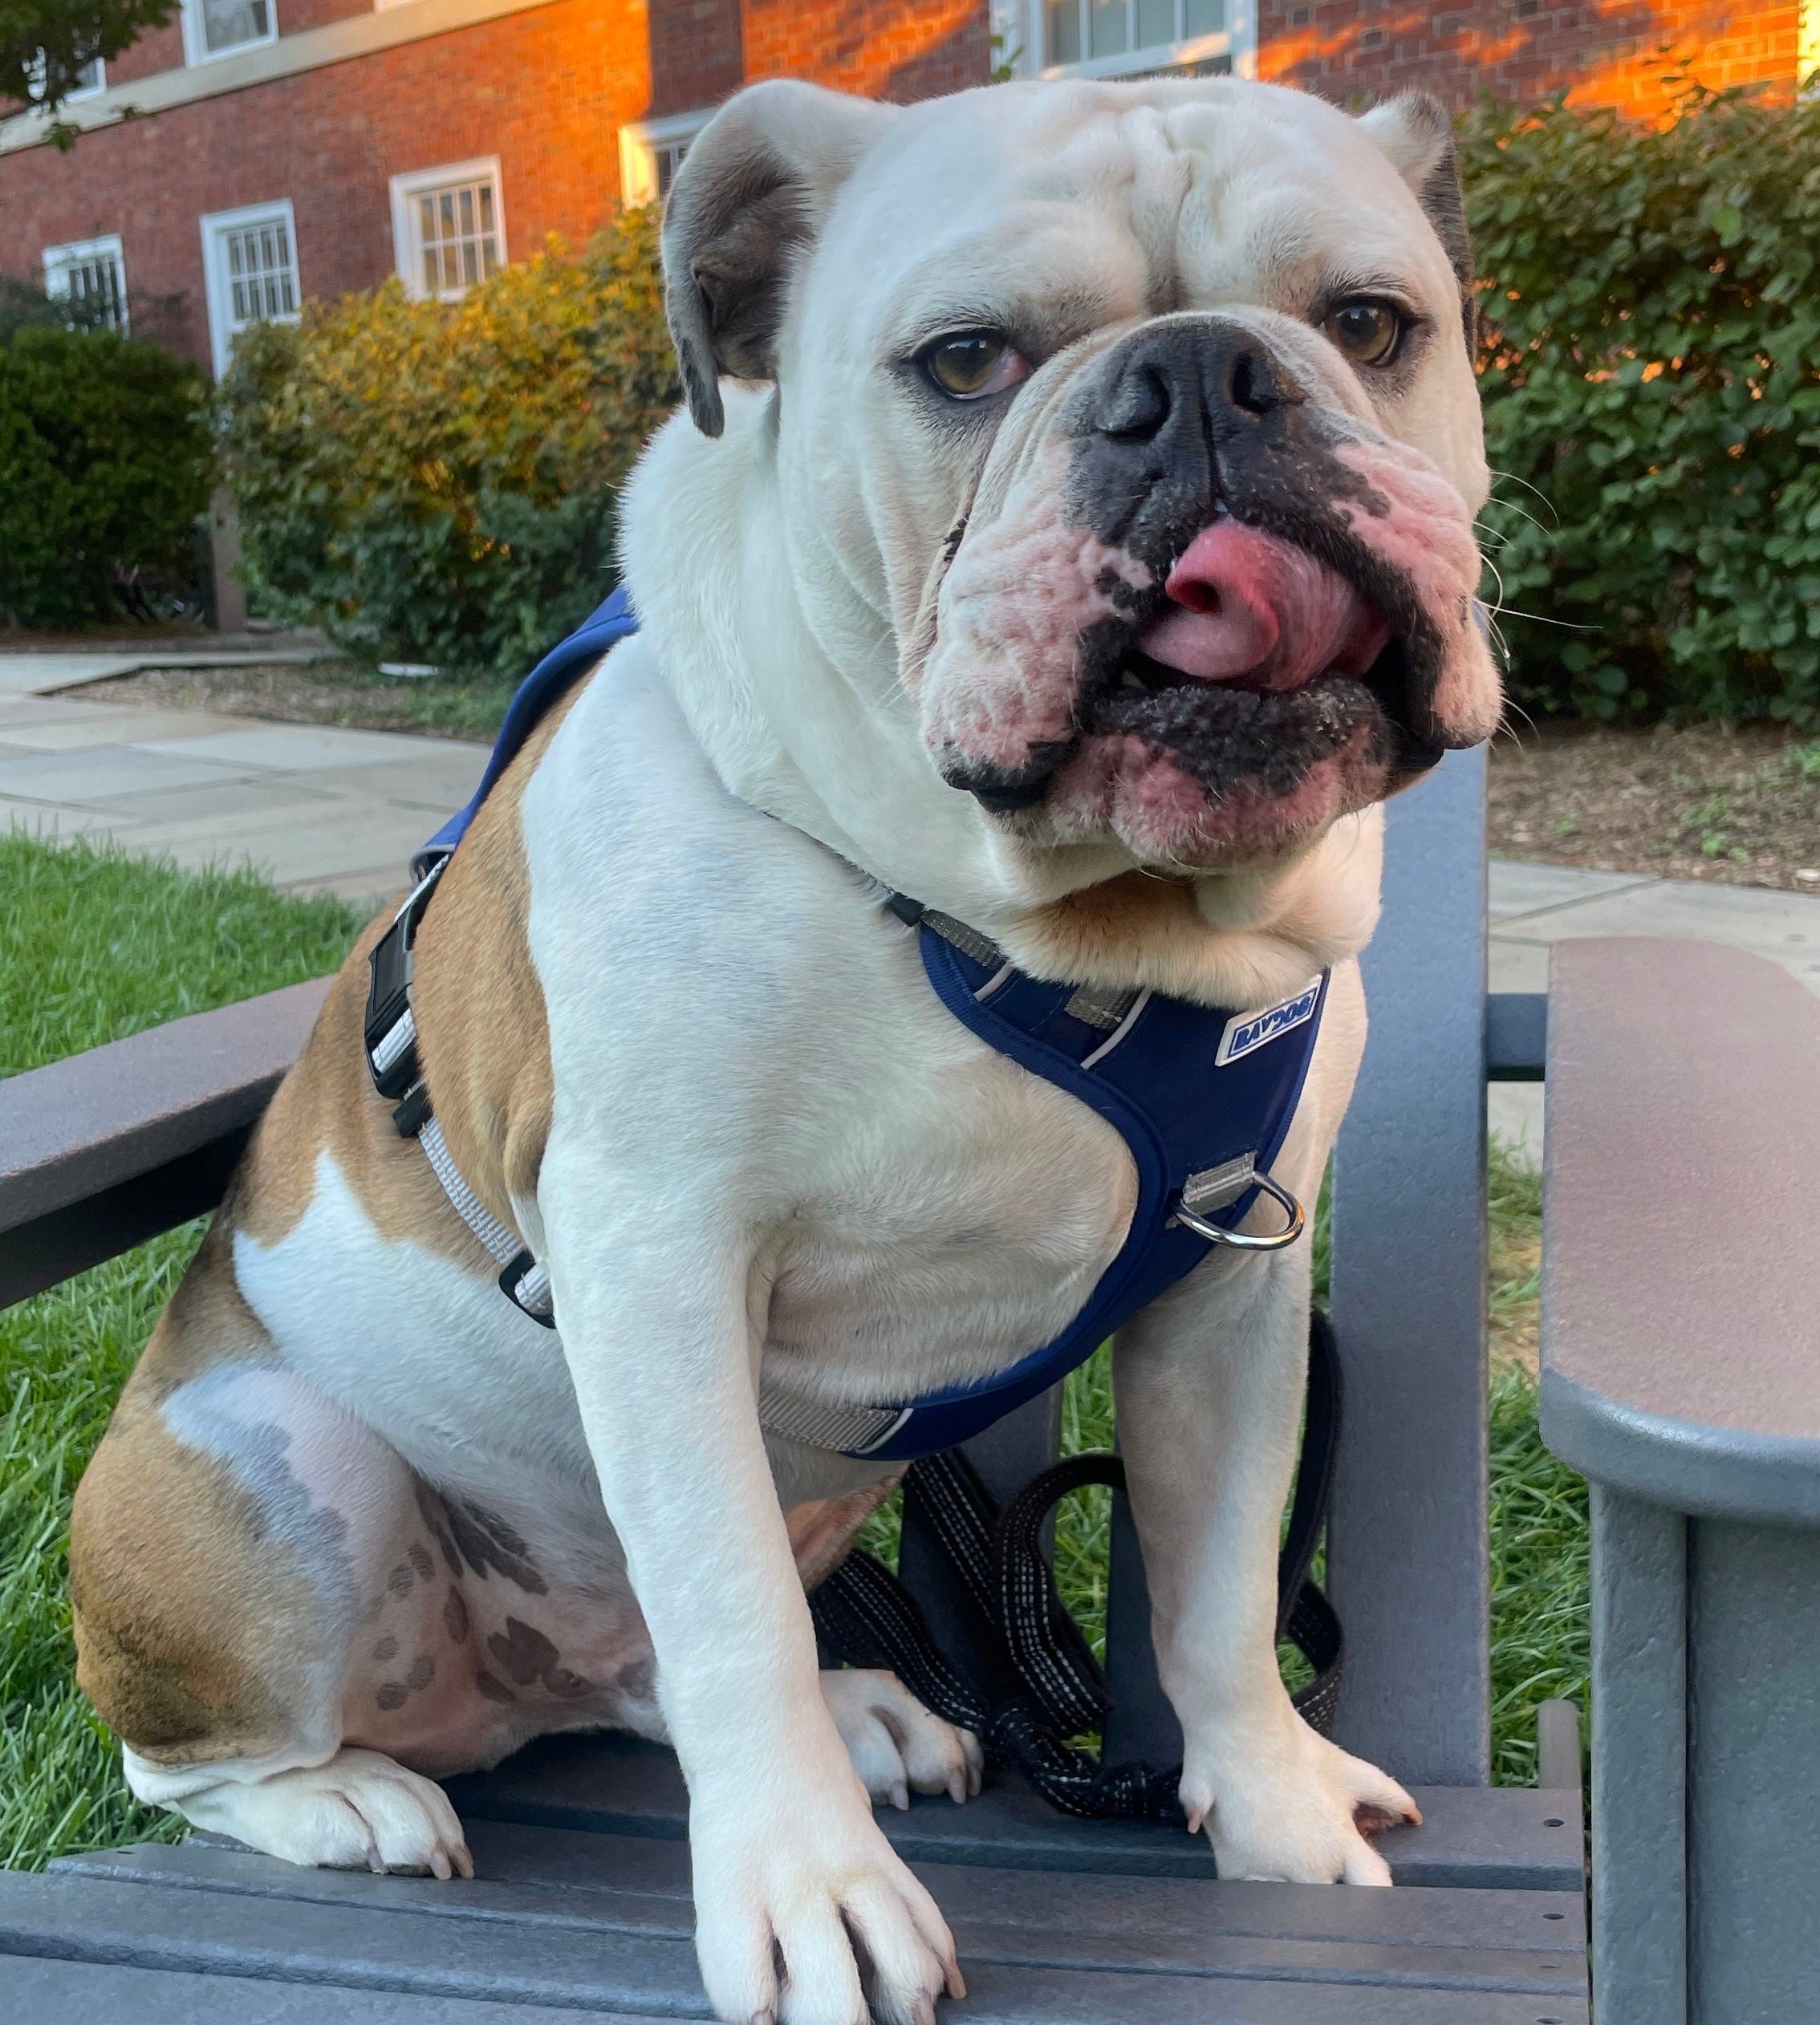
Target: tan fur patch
482,1031
821,1532
483,1041
190,1623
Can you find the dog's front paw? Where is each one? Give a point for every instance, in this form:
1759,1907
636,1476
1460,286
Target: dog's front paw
1289,1806
895,1743
807,1917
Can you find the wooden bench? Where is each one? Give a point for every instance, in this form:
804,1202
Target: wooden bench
581,1901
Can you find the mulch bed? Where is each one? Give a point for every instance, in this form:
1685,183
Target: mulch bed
318,693
1741,807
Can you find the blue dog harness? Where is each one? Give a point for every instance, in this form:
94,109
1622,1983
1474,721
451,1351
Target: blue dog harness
1202,1098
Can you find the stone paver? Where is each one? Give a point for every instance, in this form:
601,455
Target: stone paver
316,808
1532,906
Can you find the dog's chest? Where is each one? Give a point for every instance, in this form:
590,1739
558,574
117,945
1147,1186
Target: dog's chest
968,1228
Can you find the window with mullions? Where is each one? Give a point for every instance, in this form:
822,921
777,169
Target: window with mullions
218,27
449,229
89,275
1102,31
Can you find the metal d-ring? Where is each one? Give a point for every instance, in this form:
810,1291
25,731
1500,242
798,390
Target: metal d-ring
1243,1241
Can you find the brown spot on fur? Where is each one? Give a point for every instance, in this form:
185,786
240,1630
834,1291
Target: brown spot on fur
455,1617
398,1581
522,1650
494,1690
390,1694
418,1555
422,1673
386,1648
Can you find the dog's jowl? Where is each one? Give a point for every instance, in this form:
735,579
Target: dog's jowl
1070,525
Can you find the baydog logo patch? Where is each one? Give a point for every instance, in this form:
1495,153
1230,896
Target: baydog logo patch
1246,1032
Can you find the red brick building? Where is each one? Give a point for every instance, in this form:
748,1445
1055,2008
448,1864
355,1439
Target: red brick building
277,148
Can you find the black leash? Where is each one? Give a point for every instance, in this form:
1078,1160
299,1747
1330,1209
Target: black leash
864,1616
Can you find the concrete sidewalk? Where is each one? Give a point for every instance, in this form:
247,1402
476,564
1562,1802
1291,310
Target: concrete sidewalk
315,808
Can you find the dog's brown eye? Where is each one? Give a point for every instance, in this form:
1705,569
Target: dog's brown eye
972,364
1367,330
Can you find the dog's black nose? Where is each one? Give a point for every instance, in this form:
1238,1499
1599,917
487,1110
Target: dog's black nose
1184,376
1166,419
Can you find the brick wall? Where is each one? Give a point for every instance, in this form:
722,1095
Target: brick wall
1600,52
546,90
888,49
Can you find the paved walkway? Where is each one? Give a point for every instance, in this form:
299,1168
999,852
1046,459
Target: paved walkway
322,809
316,808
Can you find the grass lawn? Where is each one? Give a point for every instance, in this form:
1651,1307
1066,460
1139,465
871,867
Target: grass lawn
94,945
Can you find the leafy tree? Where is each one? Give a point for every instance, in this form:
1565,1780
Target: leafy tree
44,44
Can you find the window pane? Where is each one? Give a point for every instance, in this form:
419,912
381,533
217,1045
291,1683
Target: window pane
228,23
1155,22
1111,27
1203,18
1064,32
263,281
457,229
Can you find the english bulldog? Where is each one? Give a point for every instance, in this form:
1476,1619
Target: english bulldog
1070,525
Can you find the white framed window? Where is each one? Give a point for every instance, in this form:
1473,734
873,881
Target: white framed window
215,28
1138,37
651,150
250,269
448,228
91,79
91,274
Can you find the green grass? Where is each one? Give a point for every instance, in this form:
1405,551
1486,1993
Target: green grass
94,945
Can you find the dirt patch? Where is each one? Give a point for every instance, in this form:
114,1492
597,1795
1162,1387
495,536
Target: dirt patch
1741,807
321,693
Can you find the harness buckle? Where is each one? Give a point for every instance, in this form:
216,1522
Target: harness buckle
1218,1187
389,1031
526,1285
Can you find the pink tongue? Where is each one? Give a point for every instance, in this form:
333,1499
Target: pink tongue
1254,607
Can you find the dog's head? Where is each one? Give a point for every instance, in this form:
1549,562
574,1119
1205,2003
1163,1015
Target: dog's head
1135,423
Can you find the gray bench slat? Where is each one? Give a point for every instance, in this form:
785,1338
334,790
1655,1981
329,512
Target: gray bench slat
1075,1935
1489,1837
105,1150
47,1991
556,1873
1684,1213
223,1934
1407,1553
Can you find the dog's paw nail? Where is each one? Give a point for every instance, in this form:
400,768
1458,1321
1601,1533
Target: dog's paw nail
900,1797
957,1785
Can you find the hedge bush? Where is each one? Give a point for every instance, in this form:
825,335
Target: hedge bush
1651,366
435,483
105,452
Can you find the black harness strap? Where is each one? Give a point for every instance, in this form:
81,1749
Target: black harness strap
864,1616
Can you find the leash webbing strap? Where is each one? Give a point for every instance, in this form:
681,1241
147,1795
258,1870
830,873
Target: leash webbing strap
864,1616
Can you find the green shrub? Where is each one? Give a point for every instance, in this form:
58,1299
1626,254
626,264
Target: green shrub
105,450
1651,366
435,483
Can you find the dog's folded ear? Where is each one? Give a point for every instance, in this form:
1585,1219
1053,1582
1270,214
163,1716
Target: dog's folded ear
751,194
1416,131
